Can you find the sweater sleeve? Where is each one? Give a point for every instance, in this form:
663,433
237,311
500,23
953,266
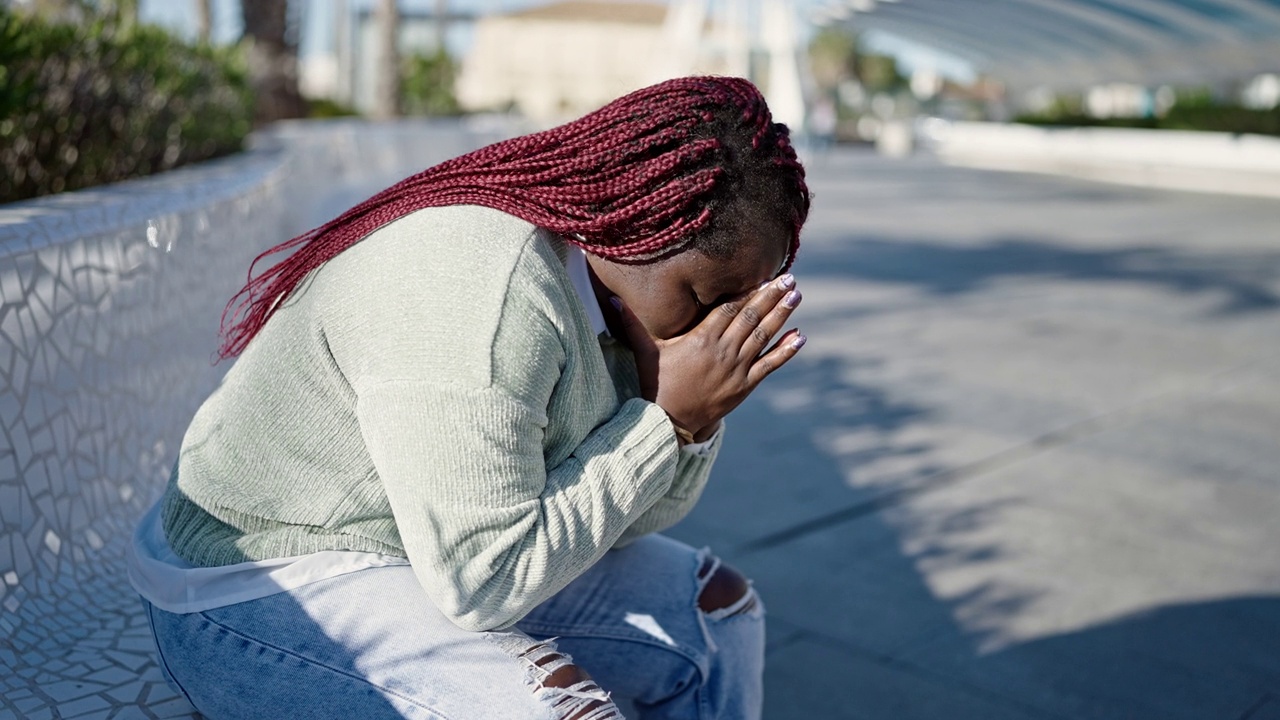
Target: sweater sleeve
692,472
490,530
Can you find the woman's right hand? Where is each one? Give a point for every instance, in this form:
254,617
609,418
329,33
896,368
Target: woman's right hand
699,377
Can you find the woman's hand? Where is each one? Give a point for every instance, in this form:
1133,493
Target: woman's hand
698,377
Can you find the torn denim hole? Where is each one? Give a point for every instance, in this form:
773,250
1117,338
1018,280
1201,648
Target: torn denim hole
744,605
708,566
583,700
749,603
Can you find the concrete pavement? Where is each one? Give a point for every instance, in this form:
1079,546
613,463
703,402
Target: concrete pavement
1027,465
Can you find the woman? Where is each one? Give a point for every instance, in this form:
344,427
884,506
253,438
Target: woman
452,401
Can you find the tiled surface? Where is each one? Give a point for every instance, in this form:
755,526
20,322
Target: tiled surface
109,308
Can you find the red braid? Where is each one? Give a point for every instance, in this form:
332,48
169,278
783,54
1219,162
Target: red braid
624,182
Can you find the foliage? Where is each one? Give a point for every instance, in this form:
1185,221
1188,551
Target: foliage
836,54
98,101
1194,109
326,108
1211,118
1223,118
832,57
427,86
879,72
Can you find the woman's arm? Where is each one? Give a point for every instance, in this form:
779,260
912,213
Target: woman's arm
692,473
491,530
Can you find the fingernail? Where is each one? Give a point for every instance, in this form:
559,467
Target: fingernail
616,303
786,282
791,299
799,342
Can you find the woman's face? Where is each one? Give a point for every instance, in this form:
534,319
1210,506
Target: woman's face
671,296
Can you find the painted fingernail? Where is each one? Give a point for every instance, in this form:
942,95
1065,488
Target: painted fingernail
786,282
616,303
791,299
799,342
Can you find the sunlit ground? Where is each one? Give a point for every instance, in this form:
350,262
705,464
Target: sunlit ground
1026,465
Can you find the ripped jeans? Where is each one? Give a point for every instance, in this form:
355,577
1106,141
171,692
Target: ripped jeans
370,645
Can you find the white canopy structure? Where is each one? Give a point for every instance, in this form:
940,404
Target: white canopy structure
1076,43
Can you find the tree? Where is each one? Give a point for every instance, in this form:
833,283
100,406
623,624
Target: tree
386,102
204,20
832,57
273,60
428,84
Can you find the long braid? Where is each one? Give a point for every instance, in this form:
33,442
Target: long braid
629,182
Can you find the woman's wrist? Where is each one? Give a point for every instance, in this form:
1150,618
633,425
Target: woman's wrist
707,432
684,436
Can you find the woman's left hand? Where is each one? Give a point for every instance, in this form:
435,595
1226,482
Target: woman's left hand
699,377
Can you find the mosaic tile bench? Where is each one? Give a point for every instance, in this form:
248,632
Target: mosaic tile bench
109,306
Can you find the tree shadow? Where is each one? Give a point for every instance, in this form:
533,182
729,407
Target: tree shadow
1213,659
843,568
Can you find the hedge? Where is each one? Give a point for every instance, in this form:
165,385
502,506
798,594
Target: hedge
1210,118
93,103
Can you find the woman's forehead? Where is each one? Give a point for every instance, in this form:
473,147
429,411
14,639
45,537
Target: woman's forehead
750,264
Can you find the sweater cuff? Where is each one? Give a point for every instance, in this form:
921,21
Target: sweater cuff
649,452
704,448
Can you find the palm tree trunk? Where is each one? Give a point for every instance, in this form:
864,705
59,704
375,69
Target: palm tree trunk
204,20
273,61
387,93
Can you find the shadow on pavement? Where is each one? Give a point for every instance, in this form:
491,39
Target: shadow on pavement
856,632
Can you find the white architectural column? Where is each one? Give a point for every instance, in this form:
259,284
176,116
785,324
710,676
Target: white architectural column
780,38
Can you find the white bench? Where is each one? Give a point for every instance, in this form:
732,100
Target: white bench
109,306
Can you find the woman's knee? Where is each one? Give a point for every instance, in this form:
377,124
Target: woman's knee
725,591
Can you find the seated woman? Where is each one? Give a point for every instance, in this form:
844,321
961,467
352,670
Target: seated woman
460,412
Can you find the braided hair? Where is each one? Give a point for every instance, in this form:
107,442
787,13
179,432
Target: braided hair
692,162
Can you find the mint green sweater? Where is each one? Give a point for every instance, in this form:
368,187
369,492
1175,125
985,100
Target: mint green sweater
434,392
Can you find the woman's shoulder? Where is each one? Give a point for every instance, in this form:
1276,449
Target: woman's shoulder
454,272
450,249
463,239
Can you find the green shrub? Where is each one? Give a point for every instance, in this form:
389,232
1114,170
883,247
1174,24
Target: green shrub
94,103
1194,110
322,108
1222,118
427,87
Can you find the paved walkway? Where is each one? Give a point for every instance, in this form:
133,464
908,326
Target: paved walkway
1028,465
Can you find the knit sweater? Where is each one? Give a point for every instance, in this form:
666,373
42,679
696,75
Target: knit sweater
434,392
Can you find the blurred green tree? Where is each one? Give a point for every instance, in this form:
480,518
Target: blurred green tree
428,84
832,57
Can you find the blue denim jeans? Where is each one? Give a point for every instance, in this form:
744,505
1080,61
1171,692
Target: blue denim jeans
370,645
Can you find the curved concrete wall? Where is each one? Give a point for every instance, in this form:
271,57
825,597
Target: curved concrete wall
1166,159
110,301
